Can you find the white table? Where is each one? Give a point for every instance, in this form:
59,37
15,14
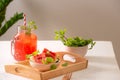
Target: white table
102,64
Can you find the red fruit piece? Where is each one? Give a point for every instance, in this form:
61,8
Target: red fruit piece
48,53
53,54
45,50
38,58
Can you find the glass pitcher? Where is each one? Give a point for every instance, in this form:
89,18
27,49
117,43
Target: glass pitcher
22,44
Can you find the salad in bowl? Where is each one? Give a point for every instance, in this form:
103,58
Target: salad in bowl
46,60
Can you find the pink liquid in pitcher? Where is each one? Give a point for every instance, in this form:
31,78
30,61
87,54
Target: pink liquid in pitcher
24,44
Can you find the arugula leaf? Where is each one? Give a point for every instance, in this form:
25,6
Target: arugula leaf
28,56
33,54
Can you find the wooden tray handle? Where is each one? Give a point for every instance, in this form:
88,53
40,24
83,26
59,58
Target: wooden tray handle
24,71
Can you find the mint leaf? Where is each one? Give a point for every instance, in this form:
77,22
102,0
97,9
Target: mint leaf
65,64
73,41
28,28
53,66
32,25
49,59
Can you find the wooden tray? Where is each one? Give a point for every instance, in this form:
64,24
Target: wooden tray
24,69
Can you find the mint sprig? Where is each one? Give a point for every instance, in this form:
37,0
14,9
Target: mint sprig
73,41
31,26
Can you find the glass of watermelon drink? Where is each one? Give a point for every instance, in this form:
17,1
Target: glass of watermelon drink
24,43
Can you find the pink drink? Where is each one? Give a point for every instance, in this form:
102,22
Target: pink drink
24,44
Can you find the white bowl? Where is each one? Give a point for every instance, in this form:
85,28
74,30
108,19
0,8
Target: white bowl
42,67
80,50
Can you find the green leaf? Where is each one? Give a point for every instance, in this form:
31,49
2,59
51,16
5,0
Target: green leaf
65,64
44,62
31,26
4,4
73,41
60,35
23,27
10,22
2,17
49,59
92,44
28,56
53,66
35,53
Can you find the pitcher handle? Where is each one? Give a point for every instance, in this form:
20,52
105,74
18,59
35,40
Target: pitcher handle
12,47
